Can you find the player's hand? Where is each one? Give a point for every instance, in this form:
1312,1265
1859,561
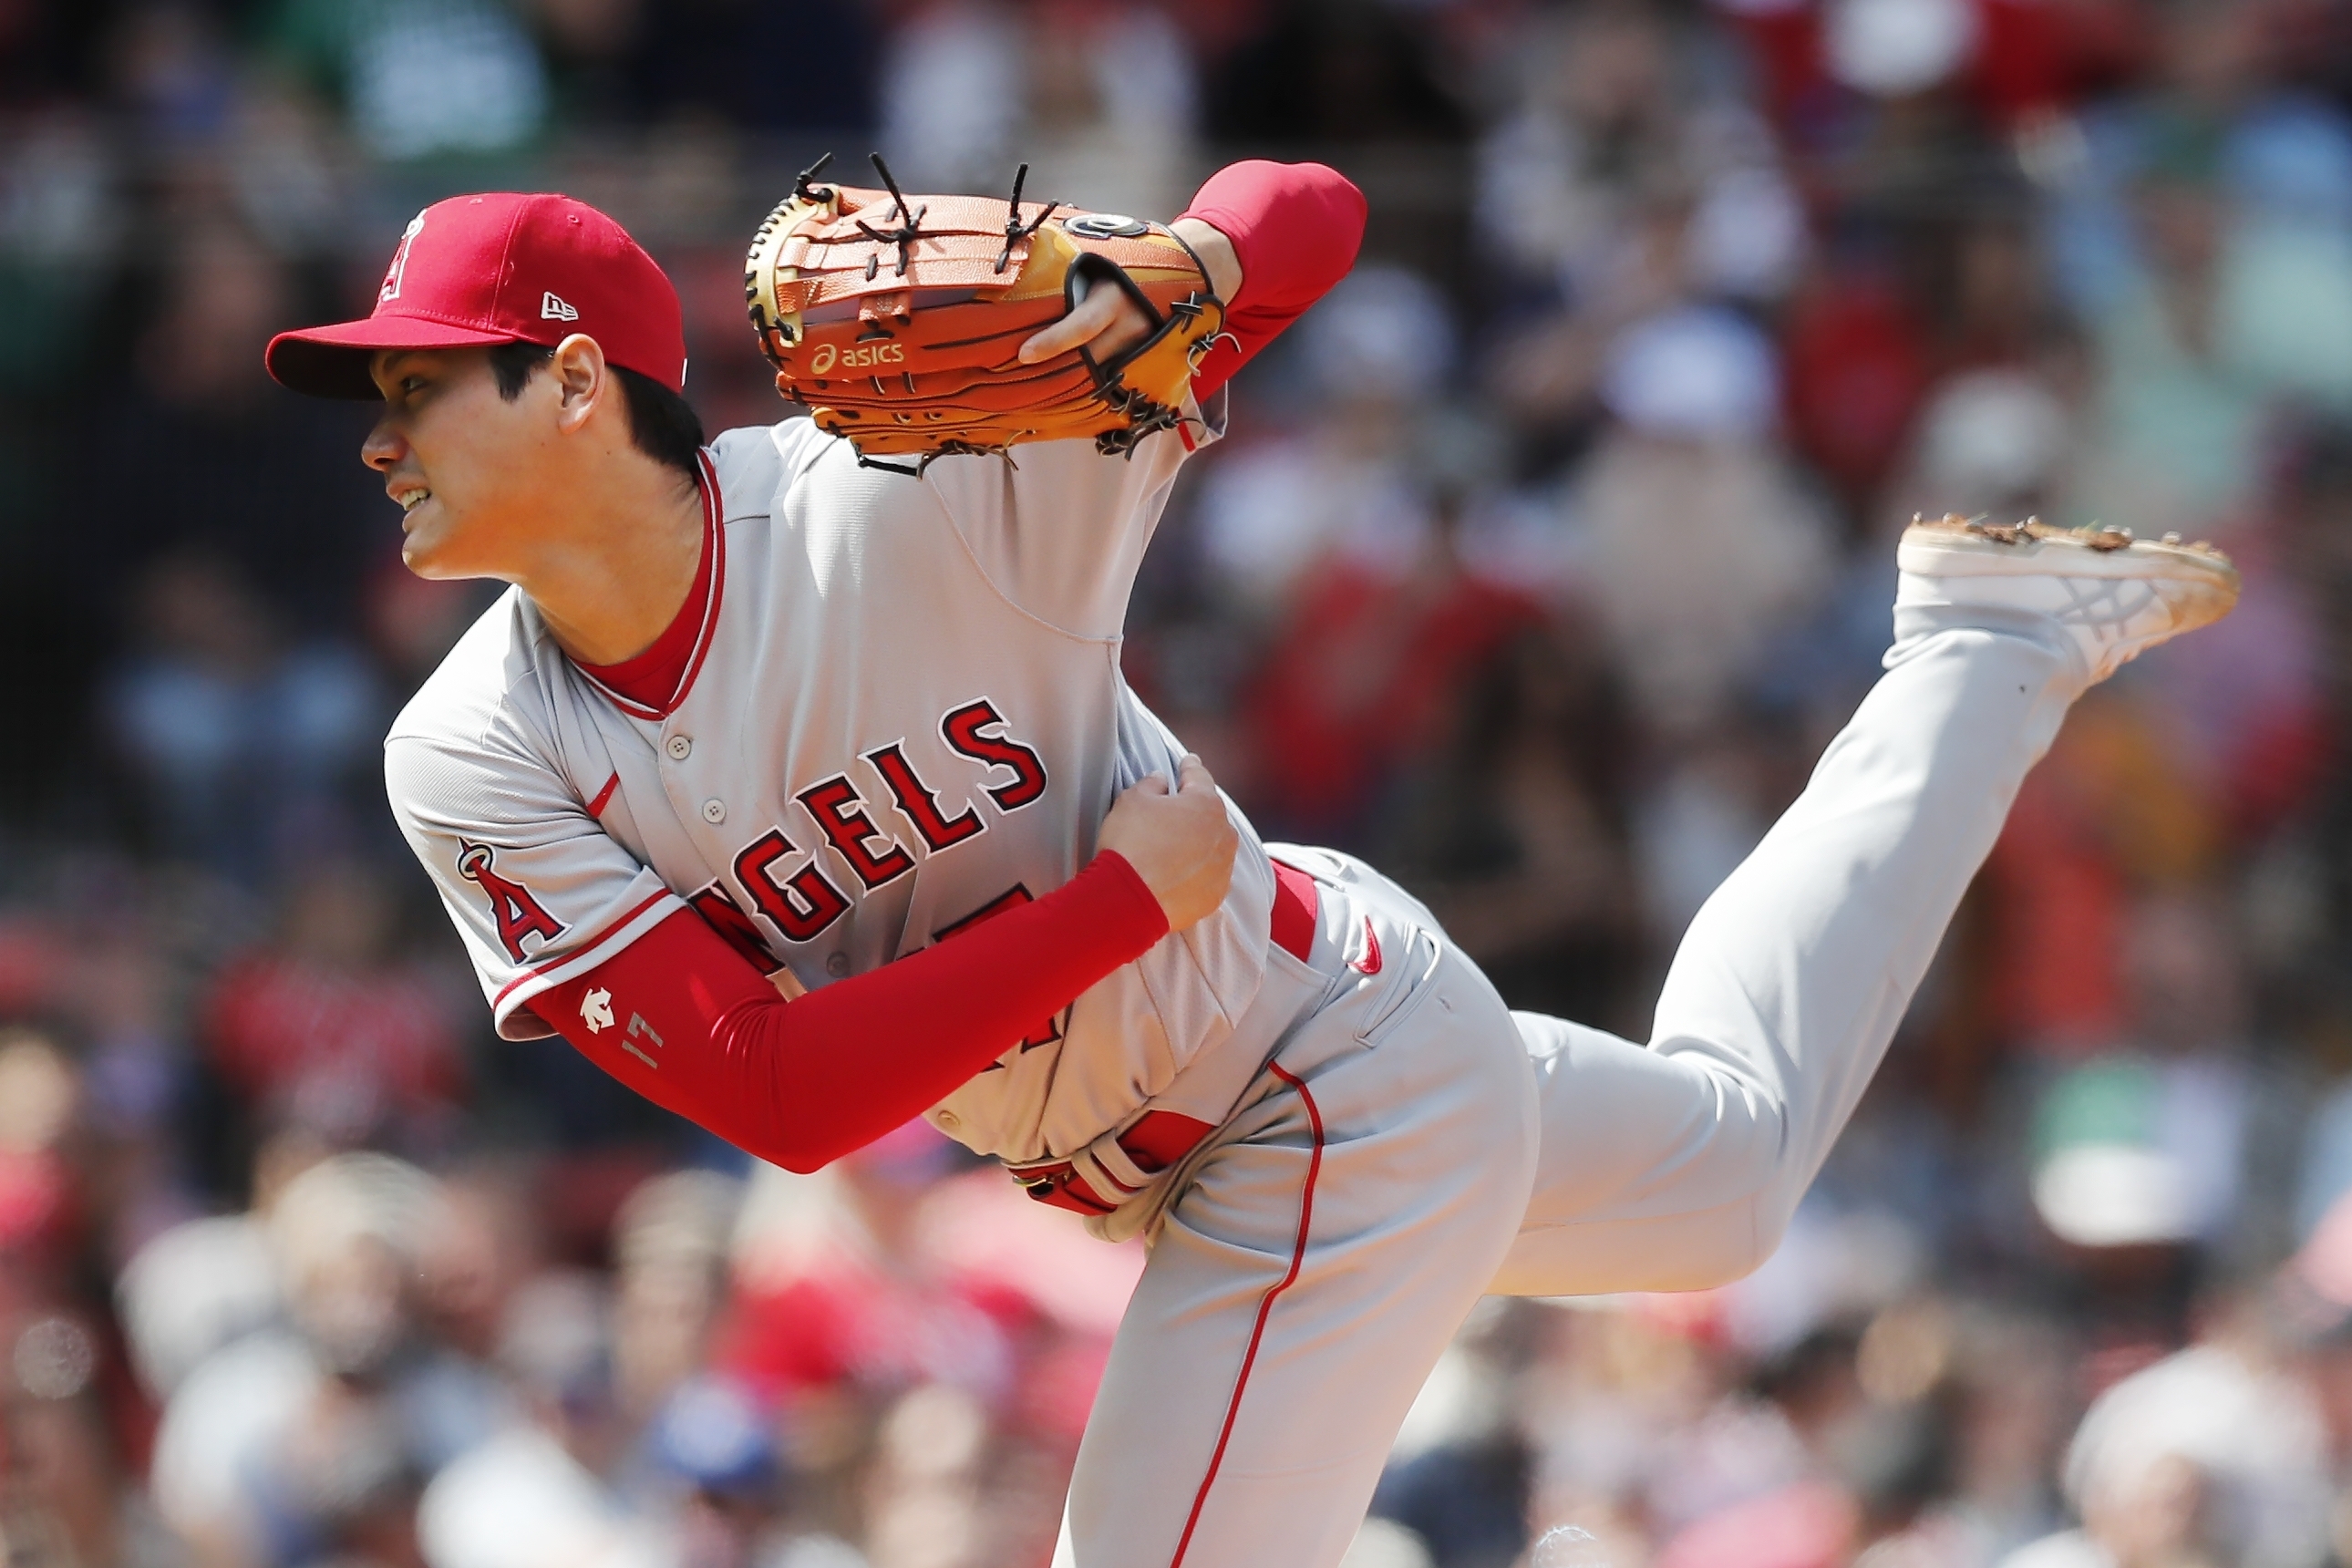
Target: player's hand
1106,321
1181,845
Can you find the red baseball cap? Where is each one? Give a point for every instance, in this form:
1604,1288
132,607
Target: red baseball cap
501,267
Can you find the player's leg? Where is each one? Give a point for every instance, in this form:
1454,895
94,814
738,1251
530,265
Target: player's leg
1676,1166
1300,1290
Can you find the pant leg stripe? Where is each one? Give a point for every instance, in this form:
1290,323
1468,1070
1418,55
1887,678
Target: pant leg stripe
1264,1308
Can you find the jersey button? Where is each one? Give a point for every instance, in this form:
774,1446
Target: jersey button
680,747
714,811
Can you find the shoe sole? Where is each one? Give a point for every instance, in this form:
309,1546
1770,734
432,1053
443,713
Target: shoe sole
1955,548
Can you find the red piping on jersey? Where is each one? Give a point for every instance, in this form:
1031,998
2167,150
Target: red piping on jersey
604,795
622,683
536,970
1264,1308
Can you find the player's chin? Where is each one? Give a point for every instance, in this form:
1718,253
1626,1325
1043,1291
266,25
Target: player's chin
425,548
433,567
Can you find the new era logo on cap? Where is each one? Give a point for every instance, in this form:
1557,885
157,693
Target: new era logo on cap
497,268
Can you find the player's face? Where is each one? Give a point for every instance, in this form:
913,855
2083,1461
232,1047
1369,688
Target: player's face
461,461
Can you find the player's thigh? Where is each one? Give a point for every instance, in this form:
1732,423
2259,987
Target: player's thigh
1650,1171
1304,1286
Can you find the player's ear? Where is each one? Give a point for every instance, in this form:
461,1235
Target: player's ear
582,376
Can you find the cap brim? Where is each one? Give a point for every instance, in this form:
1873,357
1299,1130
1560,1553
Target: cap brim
332,362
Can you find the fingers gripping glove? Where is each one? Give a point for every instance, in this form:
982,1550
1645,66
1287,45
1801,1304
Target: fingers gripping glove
898,320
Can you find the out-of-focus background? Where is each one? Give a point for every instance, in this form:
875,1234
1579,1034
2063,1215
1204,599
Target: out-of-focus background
1542,559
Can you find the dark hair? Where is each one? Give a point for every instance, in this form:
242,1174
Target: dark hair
662,424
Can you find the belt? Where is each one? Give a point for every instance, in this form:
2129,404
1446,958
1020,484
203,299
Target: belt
1161,1138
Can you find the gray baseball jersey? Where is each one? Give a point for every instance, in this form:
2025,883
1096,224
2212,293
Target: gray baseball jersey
904,710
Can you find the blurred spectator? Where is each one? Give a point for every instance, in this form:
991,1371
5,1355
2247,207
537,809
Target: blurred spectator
1458,1480
1359,681
193,1291
40,1098
201,453
2109,813
2174,422
173,73
1696,544
302,1439
1098,98
1350,482
1989,443
61,217
952,95
715,60
589,45
56,1497
2151,1146
1512,826
715,1441
670,1251
2215,1456
327,1031
1111,105
483,1246
420,79
540,1493
1607,138
242,751
837,1292
1323,71
1859,365
1899,48
2204,237
1698,820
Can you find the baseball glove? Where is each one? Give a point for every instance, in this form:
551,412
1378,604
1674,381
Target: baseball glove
898,320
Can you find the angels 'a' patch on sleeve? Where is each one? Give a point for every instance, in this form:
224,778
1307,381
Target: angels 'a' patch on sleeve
518,912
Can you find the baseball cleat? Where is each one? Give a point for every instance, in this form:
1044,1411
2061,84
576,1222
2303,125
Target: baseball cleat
2115,595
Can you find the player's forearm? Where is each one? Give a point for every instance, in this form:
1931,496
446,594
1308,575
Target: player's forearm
1295,229
687,1022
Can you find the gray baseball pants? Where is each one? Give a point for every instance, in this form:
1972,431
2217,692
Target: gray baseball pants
1412,1144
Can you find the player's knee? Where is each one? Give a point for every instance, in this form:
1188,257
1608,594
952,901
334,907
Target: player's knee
1708,1252
1768,1212
1769,1189
1730,1255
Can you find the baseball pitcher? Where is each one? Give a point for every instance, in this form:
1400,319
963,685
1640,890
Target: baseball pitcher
795,783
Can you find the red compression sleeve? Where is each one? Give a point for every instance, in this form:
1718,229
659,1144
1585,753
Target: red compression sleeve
1296,228
686,1021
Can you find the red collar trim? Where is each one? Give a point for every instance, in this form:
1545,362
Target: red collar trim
652,685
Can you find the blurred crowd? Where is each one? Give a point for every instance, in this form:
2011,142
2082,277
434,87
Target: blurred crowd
1541,560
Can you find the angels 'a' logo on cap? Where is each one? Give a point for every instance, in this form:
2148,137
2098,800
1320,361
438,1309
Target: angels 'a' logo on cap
392,274
553,307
